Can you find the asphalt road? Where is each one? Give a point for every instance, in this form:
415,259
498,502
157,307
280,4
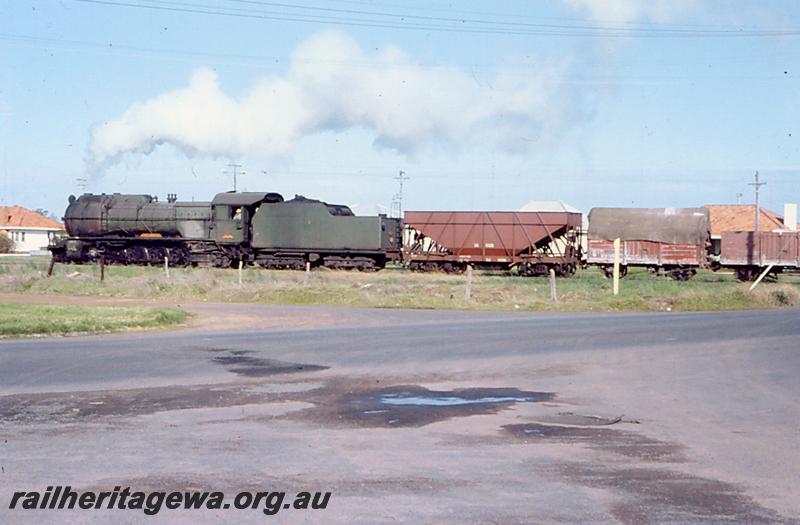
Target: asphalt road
418,416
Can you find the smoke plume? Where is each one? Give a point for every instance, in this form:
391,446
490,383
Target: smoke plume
331,85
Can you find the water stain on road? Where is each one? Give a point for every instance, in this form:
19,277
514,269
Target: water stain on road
655,495
622,442
411,405
648,494
23,408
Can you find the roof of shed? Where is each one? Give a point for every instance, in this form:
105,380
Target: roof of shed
741,218
557,205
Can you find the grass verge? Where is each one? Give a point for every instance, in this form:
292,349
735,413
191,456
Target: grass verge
18,319
398,288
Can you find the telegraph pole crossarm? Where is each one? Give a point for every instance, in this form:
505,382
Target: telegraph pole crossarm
397,200
235,172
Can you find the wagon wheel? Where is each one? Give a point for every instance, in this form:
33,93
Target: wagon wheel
608,271
746,274
565,270
680,275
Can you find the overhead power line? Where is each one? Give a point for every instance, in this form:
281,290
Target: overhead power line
394,20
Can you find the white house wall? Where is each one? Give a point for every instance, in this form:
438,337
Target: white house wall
36,240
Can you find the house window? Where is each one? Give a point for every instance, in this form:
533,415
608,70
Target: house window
23,236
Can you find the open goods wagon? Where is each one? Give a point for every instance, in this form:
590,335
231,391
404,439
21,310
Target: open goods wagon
531,242
670,241
750,253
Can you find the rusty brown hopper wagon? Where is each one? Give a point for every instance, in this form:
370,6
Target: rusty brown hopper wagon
532,242
670,241
750,253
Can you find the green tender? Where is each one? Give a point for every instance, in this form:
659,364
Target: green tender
303,225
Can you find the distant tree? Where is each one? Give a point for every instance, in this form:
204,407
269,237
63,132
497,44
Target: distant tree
6,244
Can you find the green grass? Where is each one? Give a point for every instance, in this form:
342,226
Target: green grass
398,288
18,319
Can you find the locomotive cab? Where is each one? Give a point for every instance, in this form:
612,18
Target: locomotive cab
232,211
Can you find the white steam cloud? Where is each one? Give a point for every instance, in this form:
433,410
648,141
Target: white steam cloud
332,85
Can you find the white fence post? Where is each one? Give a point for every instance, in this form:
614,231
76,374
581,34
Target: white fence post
616,266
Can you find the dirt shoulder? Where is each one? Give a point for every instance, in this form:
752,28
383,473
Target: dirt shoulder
227,317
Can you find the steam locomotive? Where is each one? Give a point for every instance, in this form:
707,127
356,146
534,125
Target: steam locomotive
251,227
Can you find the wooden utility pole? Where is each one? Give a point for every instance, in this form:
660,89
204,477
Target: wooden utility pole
235,172
397,200
757,185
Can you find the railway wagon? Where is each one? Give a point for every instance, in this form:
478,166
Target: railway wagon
670,241
750,253
530,242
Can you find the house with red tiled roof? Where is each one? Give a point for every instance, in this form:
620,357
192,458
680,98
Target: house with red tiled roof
741,218
30,231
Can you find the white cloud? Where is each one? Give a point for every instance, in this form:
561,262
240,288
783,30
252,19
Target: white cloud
333,85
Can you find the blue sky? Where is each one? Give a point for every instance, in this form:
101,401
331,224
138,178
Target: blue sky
484,106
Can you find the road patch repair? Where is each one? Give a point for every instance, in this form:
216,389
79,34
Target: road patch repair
243,363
